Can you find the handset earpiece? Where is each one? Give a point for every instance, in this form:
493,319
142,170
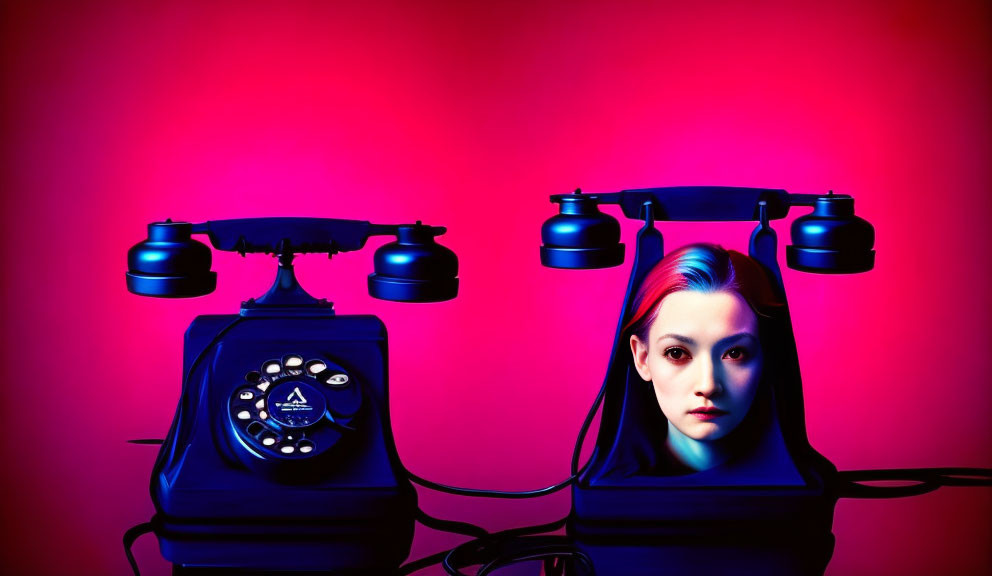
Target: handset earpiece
170,264
414,268
580,236
832,240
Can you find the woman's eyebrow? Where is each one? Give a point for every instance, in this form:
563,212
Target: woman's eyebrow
735,337
679,337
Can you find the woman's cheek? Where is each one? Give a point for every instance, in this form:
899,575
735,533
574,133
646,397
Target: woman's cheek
743,376
665,373
665,398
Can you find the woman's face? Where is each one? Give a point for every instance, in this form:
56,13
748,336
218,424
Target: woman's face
704,358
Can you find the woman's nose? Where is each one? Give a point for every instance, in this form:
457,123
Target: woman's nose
708,380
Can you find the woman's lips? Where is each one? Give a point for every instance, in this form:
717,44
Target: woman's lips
707,413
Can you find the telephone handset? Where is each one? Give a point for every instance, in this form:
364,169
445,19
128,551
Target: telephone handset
281,455
171,264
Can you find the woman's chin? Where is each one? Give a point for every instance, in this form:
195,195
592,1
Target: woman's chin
705,432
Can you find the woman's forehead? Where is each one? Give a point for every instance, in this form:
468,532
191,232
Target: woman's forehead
704,315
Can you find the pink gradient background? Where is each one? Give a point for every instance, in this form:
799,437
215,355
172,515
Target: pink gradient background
469,115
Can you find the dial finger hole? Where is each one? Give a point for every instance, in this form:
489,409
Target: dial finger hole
335,379
316,366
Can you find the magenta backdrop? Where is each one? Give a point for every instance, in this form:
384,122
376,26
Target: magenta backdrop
118,114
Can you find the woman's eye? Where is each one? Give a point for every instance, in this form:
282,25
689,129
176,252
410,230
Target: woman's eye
677,354
736,354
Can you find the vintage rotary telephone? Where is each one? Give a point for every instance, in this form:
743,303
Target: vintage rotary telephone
712,522
630,523
281,455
